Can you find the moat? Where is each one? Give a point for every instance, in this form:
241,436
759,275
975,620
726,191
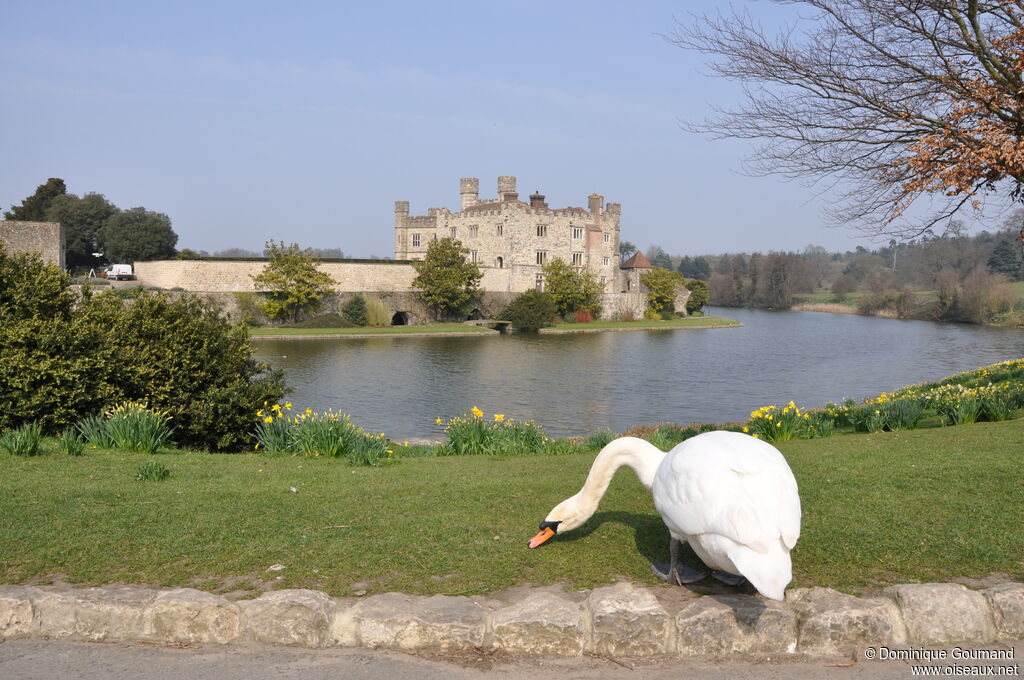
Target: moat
581,383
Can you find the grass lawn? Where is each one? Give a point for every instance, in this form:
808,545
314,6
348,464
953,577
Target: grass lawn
644,324
927,505
443,328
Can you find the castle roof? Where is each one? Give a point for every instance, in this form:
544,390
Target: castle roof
638,261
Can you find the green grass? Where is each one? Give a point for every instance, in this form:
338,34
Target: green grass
445,328
645,324
921,505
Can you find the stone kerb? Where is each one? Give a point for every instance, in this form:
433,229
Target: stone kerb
621,620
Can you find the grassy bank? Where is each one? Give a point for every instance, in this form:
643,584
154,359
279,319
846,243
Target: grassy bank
927,505
425,329
644,325
462,329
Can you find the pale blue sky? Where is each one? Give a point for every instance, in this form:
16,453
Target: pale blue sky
305,121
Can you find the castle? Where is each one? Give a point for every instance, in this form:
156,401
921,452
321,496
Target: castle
512,240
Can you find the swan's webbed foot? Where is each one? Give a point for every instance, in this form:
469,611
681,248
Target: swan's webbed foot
681,575
677,574
727,578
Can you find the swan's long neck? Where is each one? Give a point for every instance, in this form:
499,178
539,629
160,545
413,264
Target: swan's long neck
642,456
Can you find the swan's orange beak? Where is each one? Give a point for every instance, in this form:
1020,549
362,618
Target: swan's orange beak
542,536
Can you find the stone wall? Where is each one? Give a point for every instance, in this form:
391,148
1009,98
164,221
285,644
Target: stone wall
226,276
45,238
389,282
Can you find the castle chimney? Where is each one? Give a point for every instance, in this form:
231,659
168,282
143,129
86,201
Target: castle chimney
507,188
594,203
469,189
537,201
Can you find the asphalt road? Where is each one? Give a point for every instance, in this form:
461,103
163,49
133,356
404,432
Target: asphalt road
45,660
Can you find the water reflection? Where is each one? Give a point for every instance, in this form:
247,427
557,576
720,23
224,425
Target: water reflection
578,384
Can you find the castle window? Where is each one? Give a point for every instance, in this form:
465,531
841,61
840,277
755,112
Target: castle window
604,280
607,238
415,240
607,261
577,232
453,232
474,230
542,256
577,259
474,256
542,230
500,261
539,284
500,229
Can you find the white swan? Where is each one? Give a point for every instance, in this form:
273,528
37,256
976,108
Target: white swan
732,497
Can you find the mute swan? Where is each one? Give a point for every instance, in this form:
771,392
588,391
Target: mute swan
732,497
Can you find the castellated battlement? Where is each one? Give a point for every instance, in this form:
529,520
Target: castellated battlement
512,240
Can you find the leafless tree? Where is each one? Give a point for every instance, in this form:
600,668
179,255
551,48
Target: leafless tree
893,100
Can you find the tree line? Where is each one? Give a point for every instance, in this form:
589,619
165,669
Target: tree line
965,276
95,230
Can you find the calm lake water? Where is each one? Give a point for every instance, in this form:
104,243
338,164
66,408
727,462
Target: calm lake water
578,384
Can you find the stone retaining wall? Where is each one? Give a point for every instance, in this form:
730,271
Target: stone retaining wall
618,620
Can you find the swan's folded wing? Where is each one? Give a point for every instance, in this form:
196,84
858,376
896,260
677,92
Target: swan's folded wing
735,487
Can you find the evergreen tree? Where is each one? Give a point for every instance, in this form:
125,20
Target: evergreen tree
572,288
33,208
82,219
1006,260
138,234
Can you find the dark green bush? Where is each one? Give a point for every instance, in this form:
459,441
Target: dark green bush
530,311
179,356
354,311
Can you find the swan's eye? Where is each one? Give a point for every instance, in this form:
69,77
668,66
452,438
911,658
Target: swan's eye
549,525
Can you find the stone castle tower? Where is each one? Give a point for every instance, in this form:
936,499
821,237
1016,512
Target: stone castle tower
511,239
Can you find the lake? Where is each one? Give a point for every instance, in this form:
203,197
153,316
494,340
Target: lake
577,384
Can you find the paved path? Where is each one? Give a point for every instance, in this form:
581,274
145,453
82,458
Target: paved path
36,660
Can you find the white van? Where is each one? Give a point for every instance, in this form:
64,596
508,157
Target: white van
118,272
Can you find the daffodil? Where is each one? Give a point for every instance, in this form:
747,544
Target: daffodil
498,417
268,419
477,412
309,411
438,421
288,405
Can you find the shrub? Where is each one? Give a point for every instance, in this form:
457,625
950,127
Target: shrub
23,441
318,434
583,316
471,435
71,442
698,296
183,359
152,471
354,311
133,427
530,311
376,314
62,363
599,440
572,288
663,286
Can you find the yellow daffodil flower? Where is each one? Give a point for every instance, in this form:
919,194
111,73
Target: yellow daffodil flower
477,412
498,417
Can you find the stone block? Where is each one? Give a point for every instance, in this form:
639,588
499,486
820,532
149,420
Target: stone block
15,611
106,613
834,623
943,613
627,621
1007,602
187,615
542,623
399,621
726,624
290,617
